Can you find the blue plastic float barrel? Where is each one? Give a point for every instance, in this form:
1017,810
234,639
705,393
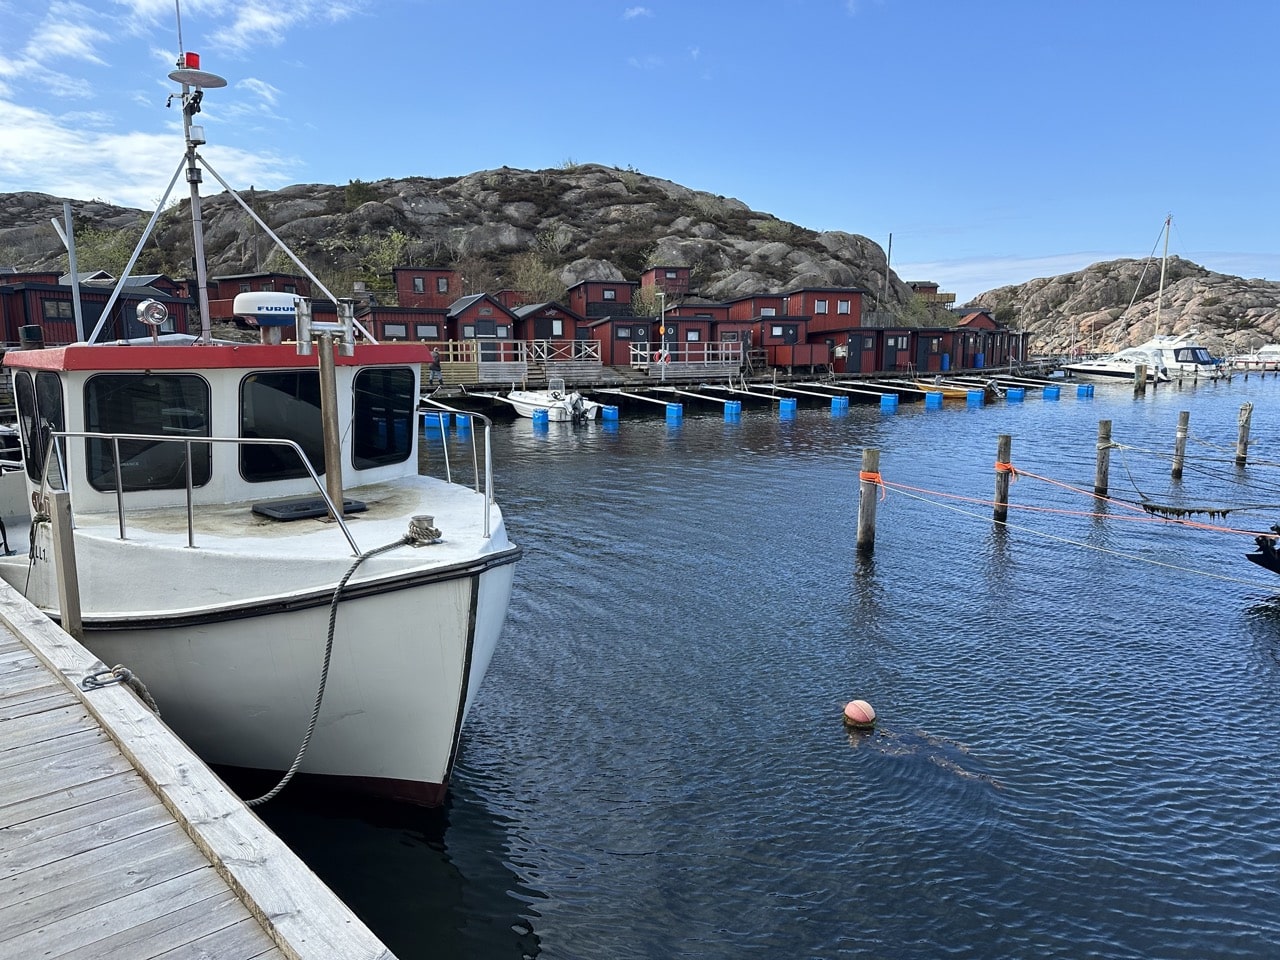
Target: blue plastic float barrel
733,410
839,405
541,418
1084,390
933,401
889,402
609,413
463,423
1052,393
976,398
675,412
787,408
1016,394
435,421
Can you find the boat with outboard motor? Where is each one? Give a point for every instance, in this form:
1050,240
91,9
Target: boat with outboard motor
560,403
556,402
244,528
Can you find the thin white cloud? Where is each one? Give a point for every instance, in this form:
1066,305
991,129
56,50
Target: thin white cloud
650,62
47,154
263,91
631,13
694,53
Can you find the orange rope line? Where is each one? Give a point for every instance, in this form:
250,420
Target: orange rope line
1008,468
872,477
1140,517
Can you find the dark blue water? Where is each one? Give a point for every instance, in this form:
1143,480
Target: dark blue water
1079,713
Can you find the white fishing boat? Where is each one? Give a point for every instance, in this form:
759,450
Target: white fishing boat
559,403
244,528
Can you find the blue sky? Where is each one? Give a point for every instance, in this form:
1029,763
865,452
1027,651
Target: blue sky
996,140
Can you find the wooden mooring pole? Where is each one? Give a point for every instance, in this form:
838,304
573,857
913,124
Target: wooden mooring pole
1004,468
1139,379
1104,459
1180,443
868,487
1242,441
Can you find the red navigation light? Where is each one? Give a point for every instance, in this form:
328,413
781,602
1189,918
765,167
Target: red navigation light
191,61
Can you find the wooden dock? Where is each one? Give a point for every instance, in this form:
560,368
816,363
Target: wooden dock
117,842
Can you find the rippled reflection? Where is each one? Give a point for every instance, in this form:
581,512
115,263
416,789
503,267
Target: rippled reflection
1078,726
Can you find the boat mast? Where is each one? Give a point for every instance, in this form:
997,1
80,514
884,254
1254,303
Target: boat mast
1164,259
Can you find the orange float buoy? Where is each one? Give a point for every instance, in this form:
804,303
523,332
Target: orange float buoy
859,714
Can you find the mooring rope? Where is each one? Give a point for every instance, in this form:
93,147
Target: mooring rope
406,540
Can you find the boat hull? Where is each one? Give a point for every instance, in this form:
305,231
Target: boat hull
557,410
239,684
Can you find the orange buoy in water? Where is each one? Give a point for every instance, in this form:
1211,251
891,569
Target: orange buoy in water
859,714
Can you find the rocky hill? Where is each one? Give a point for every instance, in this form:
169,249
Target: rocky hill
503,228
544,230
1114,304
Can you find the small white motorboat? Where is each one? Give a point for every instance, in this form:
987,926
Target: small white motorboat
560,404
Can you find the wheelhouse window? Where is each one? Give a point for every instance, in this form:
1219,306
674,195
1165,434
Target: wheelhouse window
280,405
40,415
385,401
173,406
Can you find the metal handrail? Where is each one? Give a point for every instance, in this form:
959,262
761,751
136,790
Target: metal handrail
115,439
475,466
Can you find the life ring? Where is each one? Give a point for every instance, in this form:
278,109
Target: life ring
662,356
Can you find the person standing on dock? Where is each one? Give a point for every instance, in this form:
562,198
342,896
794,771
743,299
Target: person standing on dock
434,375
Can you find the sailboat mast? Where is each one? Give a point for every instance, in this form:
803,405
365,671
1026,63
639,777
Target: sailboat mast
1164,259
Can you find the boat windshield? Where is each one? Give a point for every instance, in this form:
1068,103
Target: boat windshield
1193,355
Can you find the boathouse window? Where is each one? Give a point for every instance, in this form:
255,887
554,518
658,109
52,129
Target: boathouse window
419,285
728,336
842,306
290,288
385,401
39,402
442,284
557,328
245,288
775,330
623,333
163,405
869,342
609,294
469,331
57,310
693,335
768,312
398,330
427,331
280,405
819,306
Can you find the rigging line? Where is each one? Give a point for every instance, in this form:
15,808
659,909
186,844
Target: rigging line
1103,550
1140,516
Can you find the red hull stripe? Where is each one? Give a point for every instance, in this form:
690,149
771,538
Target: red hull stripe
219,356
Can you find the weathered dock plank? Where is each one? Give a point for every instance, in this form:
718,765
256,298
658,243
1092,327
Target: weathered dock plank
116,841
